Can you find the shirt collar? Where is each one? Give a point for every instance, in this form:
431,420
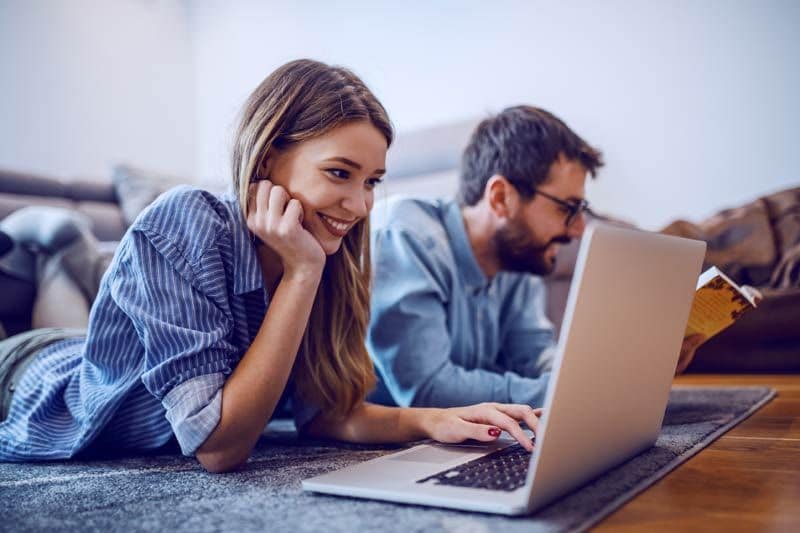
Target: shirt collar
466,262
247,271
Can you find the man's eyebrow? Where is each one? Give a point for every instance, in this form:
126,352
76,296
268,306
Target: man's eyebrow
351,163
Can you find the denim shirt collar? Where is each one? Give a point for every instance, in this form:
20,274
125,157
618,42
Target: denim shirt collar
462,249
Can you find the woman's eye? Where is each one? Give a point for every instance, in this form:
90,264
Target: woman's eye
374,182
338,173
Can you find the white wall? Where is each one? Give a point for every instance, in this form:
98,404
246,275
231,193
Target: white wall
695,104
86,84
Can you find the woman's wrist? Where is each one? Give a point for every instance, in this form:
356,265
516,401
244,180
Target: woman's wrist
304,274
422,422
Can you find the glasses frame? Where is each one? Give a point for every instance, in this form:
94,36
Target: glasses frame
574,208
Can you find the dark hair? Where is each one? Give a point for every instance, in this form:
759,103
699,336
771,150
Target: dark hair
521,144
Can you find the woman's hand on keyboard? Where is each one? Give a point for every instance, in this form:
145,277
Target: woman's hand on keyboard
483,422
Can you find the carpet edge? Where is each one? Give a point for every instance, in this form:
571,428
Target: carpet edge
622,499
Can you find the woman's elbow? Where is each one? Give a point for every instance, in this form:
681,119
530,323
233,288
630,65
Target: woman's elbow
219,463
321,427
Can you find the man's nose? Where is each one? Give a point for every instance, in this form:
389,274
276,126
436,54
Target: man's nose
575,229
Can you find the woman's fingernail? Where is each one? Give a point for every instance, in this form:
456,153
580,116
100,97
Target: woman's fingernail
494,432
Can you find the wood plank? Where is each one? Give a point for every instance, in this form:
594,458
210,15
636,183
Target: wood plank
749,479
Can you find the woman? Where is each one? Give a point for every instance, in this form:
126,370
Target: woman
216,311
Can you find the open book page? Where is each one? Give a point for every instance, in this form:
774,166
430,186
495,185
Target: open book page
718,303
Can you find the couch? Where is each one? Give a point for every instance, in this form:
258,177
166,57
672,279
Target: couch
96,199
766,340
40,293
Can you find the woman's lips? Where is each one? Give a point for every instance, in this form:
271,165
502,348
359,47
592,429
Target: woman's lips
335,227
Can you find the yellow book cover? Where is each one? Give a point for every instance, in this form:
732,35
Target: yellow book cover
718,303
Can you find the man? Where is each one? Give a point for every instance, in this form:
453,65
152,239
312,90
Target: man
457,306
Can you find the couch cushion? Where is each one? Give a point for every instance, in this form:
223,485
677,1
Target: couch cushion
107,223
106,218
11,202
21,183
30,184
92,191
429,150
59,303
136,188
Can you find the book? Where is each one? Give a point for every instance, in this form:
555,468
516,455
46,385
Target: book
718,303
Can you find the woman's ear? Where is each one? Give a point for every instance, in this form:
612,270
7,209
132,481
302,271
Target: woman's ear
263,169
501,196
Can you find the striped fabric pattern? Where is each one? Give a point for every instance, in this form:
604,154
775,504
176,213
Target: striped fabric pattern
180,304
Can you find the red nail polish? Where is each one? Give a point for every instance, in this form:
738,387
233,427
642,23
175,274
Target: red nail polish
494,432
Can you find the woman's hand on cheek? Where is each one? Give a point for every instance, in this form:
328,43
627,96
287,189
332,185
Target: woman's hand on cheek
483,422
277,219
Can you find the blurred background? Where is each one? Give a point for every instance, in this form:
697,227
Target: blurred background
694,103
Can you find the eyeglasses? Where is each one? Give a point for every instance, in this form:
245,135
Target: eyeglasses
574,208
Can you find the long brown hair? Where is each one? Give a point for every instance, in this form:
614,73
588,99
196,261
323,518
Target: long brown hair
299,101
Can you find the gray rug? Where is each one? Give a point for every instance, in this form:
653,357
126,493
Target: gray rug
170,492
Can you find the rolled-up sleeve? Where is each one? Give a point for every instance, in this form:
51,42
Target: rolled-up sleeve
178,306
193,410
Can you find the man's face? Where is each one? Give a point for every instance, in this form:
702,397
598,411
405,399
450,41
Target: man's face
530,239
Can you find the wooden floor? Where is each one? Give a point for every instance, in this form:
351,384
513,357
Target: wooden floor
747,480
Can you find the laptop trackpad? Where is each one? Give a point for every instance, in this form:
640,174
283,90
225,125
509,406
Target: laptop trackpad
430,454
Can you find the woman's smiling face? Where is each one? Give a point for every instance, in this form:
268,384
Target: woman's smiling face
333,176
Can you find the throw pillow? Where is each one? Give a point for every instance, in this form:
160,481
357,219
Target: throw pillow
137,188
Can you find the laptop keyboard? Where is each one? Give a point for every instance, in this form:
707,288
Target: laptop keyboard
504,469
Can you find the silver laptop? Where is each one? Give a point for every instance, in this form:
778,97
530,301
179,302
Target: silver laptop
620,341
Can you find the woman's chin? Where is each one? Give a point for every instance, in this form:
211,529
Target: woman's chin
330,246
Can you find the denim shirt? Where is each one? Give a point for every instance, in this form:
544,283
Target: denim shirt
441,333
178,307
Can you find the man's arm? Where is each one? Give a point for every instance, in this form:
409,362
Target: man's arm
409,338
528,338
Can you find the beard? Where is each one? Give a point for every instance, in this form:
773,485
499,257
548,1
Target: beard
518,251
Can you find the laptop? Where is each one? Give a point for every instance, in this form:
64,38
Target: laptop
623,327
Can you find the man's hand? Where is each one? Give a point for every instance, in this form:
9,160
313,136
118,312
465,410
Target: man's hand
690,346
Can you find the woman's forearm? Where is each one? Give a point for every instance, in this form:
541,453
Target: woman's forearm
378,424
370,423
253,390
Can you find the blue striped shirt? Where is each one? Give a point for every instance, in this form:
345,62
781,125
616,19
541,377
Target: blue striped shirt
178,307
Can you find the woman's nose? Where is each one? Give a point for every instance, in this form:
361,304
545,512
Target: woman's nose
358,203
